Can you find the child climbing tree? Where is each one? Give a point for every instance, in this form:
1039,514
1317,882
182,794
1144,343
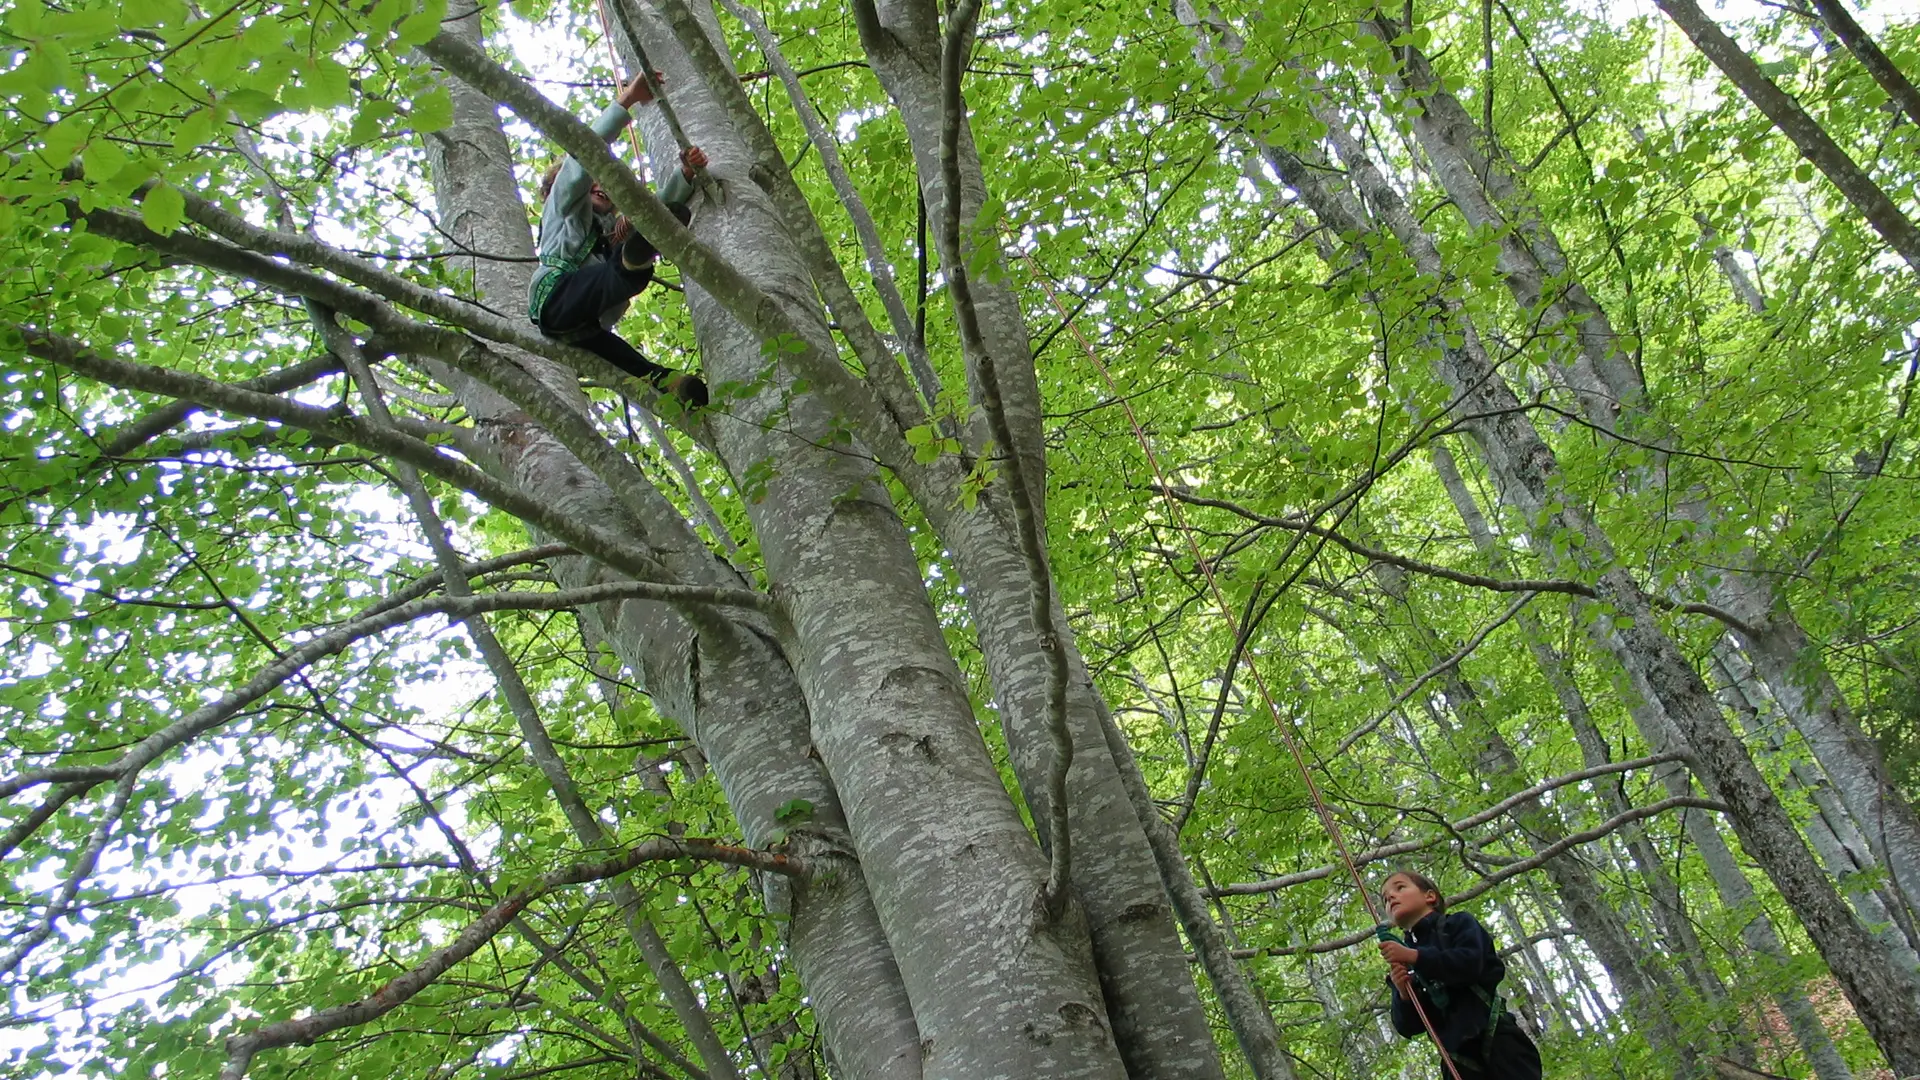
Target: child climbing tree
593,261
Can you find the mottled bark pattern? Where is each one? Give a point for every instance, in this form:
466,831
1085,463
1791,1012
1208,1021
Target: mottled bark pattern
954,874
746,715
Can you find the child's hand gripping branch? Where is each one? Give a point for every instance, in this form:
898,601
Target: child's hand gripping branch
593,262
1448,964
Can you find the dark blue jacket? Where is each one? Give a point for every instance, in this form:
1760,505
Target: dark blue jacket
1456,953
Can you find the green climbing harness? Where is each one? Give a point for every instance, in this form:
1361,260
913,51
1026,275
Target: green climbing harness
1437,993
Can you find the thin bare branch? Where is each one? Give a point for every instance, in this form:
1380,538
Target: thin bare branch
1406,847
1441,668
1505,873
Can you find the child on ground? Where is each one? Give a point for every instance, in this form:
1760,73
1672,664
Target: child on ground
593,262
1450,964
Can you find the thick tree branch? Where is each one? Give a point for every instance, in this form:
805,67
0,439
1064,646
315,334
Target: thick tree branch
1818,147
452,347
539,745
771,173
1448,573
1020,492
1871,56
878,265
583,537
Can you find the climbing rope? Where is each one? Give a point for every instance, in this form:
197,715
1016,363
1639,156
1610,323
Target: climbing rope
613,58
701,181
1287,733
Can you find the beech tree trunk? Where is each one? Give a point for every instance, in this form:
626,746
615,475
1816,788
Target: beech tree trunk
1158,1020
1830,829
996,990
1864,49
1526,472
1609,391
745,710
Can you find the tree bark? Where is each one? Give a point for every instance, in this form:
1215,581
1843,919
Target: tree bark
1864,49
995,990
1830,829
744,710
1814,143
1118,875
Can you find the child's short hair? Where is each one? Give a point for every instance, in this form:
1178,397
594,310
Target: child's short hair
1424,884
547,178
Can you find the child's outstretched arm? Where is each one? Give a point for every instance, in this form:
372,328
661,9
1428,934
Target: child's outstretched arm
677,189
571,185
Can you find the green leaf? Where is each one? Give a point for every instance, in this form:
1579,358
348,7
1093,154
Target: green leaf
368,121
250,104
62,141
432,111
421,26
196,129
164,208
102,160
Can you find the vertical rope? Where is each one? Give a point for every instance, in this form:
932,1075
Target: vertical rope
701,181
1287,733
613,58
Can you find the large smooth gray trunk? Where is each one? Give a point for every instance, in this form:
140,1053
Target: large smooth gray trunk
1158,1020
955,877
745,711
1829,829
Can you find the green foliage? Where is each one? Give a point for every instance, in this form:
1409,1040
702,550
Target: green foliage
318,843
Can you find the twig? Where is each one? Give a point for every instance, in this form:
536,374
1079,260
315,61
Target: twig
243,1047
1436,670
1405,847
1533,862
1462,577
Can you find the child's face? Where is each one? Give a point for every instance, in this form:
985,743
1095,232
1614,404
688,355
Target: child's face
1406,902
601,204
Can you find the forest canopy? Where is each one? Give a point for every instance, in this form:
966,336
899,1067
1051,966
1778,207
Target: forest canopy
1164,469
